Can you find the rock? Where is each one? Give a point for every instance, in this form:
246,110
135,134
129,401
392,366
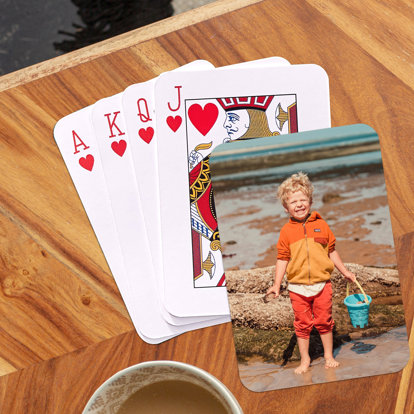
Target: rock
251,311
253,281
331,197
247,288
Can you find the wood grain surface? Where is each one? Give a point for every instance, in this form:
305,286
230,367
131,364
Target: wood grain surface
63,326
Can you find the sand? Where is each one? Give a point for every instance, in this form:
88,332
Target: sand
359,358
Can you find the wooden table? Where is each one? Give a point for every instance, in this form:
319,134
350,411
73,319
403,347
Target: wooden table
63,326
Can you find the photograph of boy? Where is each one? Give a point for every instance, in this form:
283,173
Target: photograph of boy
306,253
303,217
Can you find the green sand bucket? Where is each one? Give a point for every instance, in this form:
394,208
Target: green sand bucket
358,306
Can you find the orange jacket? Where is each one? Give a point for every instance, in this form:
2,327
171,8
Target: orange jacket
306,245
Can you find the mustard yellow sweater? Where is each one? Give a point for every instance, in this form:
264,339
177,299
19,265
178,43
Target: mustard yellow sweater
306,245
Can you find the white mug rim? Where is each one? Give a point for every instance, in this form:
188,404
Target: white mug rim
224,391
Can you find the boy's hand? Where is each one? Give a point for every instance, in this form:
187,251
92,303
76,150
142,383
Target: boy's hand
350,276
273,289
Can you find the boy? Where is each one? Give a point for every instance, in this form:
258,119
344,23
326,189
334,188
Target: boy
306,252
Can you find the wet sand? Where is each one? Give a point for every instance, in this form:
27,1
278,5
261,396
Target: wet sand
355,208
359,358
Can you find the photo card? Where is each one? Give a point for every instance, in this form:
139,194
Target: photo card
327,225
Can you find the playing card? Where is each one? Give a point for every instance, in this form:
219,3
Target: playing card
349,193
76,141
113,144
138,108
196,112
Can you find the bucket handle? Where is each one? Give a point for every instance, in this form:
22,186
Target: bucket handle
360,288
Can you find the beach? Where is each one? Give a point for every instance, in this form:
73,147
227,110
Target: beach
354,205
389,348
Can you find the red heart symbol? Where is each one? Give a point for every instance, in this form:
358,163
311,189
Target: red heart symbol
203,119
119,147
174,122
146,134
87,162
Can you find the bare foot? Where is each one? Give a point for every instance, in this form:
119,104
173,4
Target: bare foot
331,363
303,367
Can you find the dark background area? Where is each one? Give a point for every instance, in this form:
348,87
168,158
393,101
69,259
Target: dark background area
37,30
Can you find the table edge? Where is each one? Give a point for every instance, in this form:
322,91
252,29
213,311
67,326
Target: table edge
121,41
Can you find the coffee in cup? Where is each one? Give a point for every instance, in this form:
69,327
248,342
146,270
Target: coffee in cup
162,386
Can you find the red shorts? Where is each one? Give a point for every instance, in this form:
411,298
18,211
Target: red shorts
313,311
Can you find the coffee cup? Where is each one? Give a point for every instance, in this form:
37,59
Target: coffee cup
171,384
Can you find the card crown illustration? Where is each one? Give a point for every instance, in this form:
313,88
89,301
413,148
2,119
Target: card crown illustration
246,102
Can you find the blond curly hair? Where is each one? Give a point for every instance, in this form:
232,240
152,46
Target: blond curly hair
296,182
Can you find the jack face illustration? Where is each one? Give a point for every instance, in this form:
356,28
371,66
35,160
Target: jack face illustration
240,118
237,124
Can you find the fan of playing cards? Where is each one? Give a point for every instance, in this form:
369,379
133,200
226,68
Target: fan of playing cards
140,163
